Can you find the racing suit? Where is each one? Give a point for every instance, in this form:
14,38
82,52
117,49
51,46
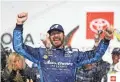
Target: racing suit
60,65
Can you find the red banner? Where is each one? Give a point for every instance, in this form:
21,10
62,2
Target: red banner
98,21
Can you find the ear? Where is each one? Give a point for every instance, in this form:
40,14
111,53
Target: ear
64,36
49,36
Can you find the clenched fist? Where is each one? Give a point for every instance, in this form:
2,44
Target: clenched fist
22,17
109,32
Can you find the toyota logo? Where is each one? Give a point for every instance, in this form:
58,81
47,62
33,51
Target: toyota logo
98,24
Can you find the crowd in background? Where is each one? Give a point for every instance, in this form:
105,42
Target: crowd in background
15,69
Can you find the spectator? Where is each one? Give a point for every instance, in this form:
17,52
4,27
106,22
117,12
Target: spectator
115,58
16,70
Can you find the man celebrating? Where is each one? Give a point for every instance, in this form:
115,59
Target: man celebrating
59,63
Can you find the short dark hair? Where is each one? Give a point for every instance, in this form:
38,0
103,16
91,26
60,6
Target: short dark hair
116,51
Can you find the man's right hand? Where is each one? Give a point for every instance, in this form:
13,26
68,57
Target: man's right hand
21,18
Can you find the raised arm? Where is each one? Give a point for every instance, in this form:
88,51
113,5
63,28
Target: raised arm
95,55
18,45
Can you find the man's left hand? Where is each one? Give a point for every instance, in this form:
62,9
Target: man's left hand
109,32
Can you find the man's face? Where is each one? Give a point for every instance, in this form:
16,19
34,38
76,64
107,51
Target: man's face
115,58
57,38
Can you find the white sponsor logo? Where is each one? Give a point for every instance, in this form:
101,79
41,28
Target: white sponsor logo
56,26
59,63
99,24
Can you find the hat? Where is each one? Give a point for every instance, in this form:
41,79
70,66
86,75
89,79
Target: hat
57,27
116,51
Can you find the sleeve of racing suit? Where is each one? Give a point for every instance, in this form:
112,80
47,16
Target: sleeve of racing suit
92,56
24,50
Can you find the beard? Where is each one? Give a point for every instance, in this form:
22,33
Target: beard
57,45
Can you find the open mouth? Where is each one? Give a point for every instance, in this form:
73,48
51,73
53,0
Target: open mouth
56,41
